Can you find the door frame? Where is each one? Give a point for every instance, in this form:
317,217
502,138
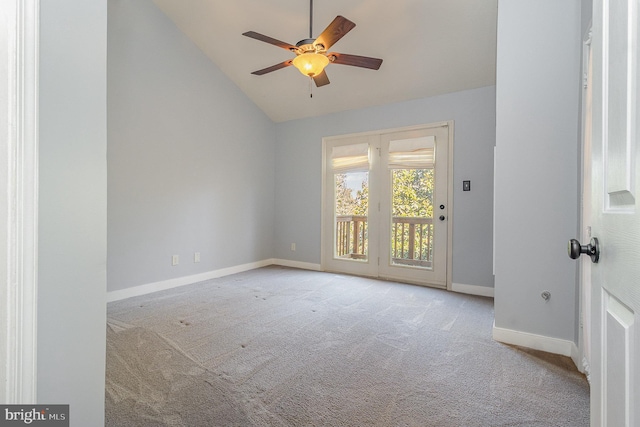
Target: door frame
584,282
450,186
19,54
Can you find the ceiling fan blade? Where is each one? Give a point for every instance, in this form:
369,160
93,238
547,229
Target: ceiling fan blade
334,32
270,40
355,60
273,68
321,79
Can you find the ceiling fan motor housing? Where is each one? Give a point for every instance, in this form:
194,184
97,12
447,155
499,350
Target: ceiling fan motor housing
308,46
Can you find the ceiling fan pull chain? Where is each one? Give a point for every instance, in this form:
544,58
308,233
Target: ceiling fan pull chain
310,87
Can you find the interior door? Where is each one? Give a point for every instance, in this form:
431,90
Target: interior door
386,204
615,374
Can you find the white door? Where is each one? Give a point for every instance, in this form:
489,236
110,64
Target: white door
615,313
349,205
414,212
386,204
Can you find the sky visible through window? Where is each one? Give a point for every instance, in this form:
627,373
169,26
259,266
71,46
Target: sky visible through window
354,180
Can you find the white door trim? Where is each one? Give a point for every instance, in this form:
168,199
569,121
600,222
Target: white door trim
584,335
19,208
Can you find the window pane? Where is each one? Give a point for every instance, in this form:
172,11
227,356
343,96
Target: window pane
351,211
412,217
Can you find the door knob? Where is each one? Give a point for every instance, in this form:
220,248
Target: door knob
592,249
441,217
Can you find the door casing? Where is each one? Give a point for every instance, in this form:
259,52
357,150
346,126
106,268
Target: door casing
585,210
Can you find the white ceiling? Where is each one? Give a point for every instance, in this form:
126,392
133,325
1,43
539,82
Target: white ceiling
429,47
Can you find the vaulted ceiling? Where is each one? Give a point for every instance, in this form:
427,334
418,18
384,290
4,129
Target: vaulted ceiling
429,47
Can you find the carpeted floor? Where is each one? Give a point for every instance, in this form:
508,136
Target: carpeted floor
285,347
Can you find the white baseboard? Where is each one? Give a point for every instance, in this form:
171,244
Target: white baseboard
297,264
536,342
181,281
188,280
483,291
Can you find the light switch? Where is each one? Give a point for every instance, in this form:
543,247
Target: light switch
466,185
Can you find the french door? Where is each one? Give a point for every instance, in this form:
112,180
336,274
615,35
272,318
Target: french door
386,204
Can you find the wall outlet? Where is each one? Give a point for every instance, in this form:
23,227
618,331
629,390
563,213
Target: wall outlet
293,247
196,257
175,260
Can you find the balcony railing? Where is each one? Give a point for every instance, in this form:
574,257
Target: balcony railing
411,239
351,236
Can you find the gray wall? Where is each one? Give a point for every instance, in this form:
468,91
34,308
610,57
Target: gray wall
538,108
587,14
72,207
191,158
299,172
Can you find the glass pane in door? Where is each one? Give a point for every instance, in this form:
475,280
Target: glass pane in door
351,191
412,230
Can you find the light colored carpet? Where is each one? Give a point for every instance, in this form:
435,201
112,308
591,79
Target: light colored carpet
285,347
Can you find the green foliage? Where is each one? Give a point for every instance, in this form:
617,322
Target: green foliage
412,193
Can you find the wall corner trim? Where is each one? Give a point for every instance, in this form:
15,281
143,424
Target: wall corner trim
537,342
19,106
483,291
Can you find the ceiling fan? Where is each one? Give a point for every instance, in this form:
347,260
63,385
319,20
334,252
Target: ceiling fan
312,55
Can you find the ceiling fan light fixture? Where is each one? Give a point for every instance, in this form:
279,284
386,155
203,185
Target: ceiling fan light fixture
310,64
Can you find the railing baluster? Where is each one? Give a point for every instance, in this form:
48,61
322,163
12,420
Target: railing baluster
339,241
412,240
420,243
356,235
395,239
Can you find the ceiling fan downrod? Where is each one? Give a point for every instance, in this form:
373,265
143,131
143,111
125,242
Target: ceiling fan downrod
310,37
310,19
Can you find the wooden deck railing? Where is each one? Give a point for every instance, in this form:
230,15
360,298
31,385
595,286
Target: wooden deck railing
411,239
411,242
351,236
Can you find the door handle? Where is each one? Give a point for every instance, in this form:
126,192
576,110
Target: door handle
441,218
575,249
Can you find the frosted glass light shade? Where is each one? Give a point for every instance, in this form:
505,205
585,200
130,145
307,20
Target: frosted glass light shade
310,64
